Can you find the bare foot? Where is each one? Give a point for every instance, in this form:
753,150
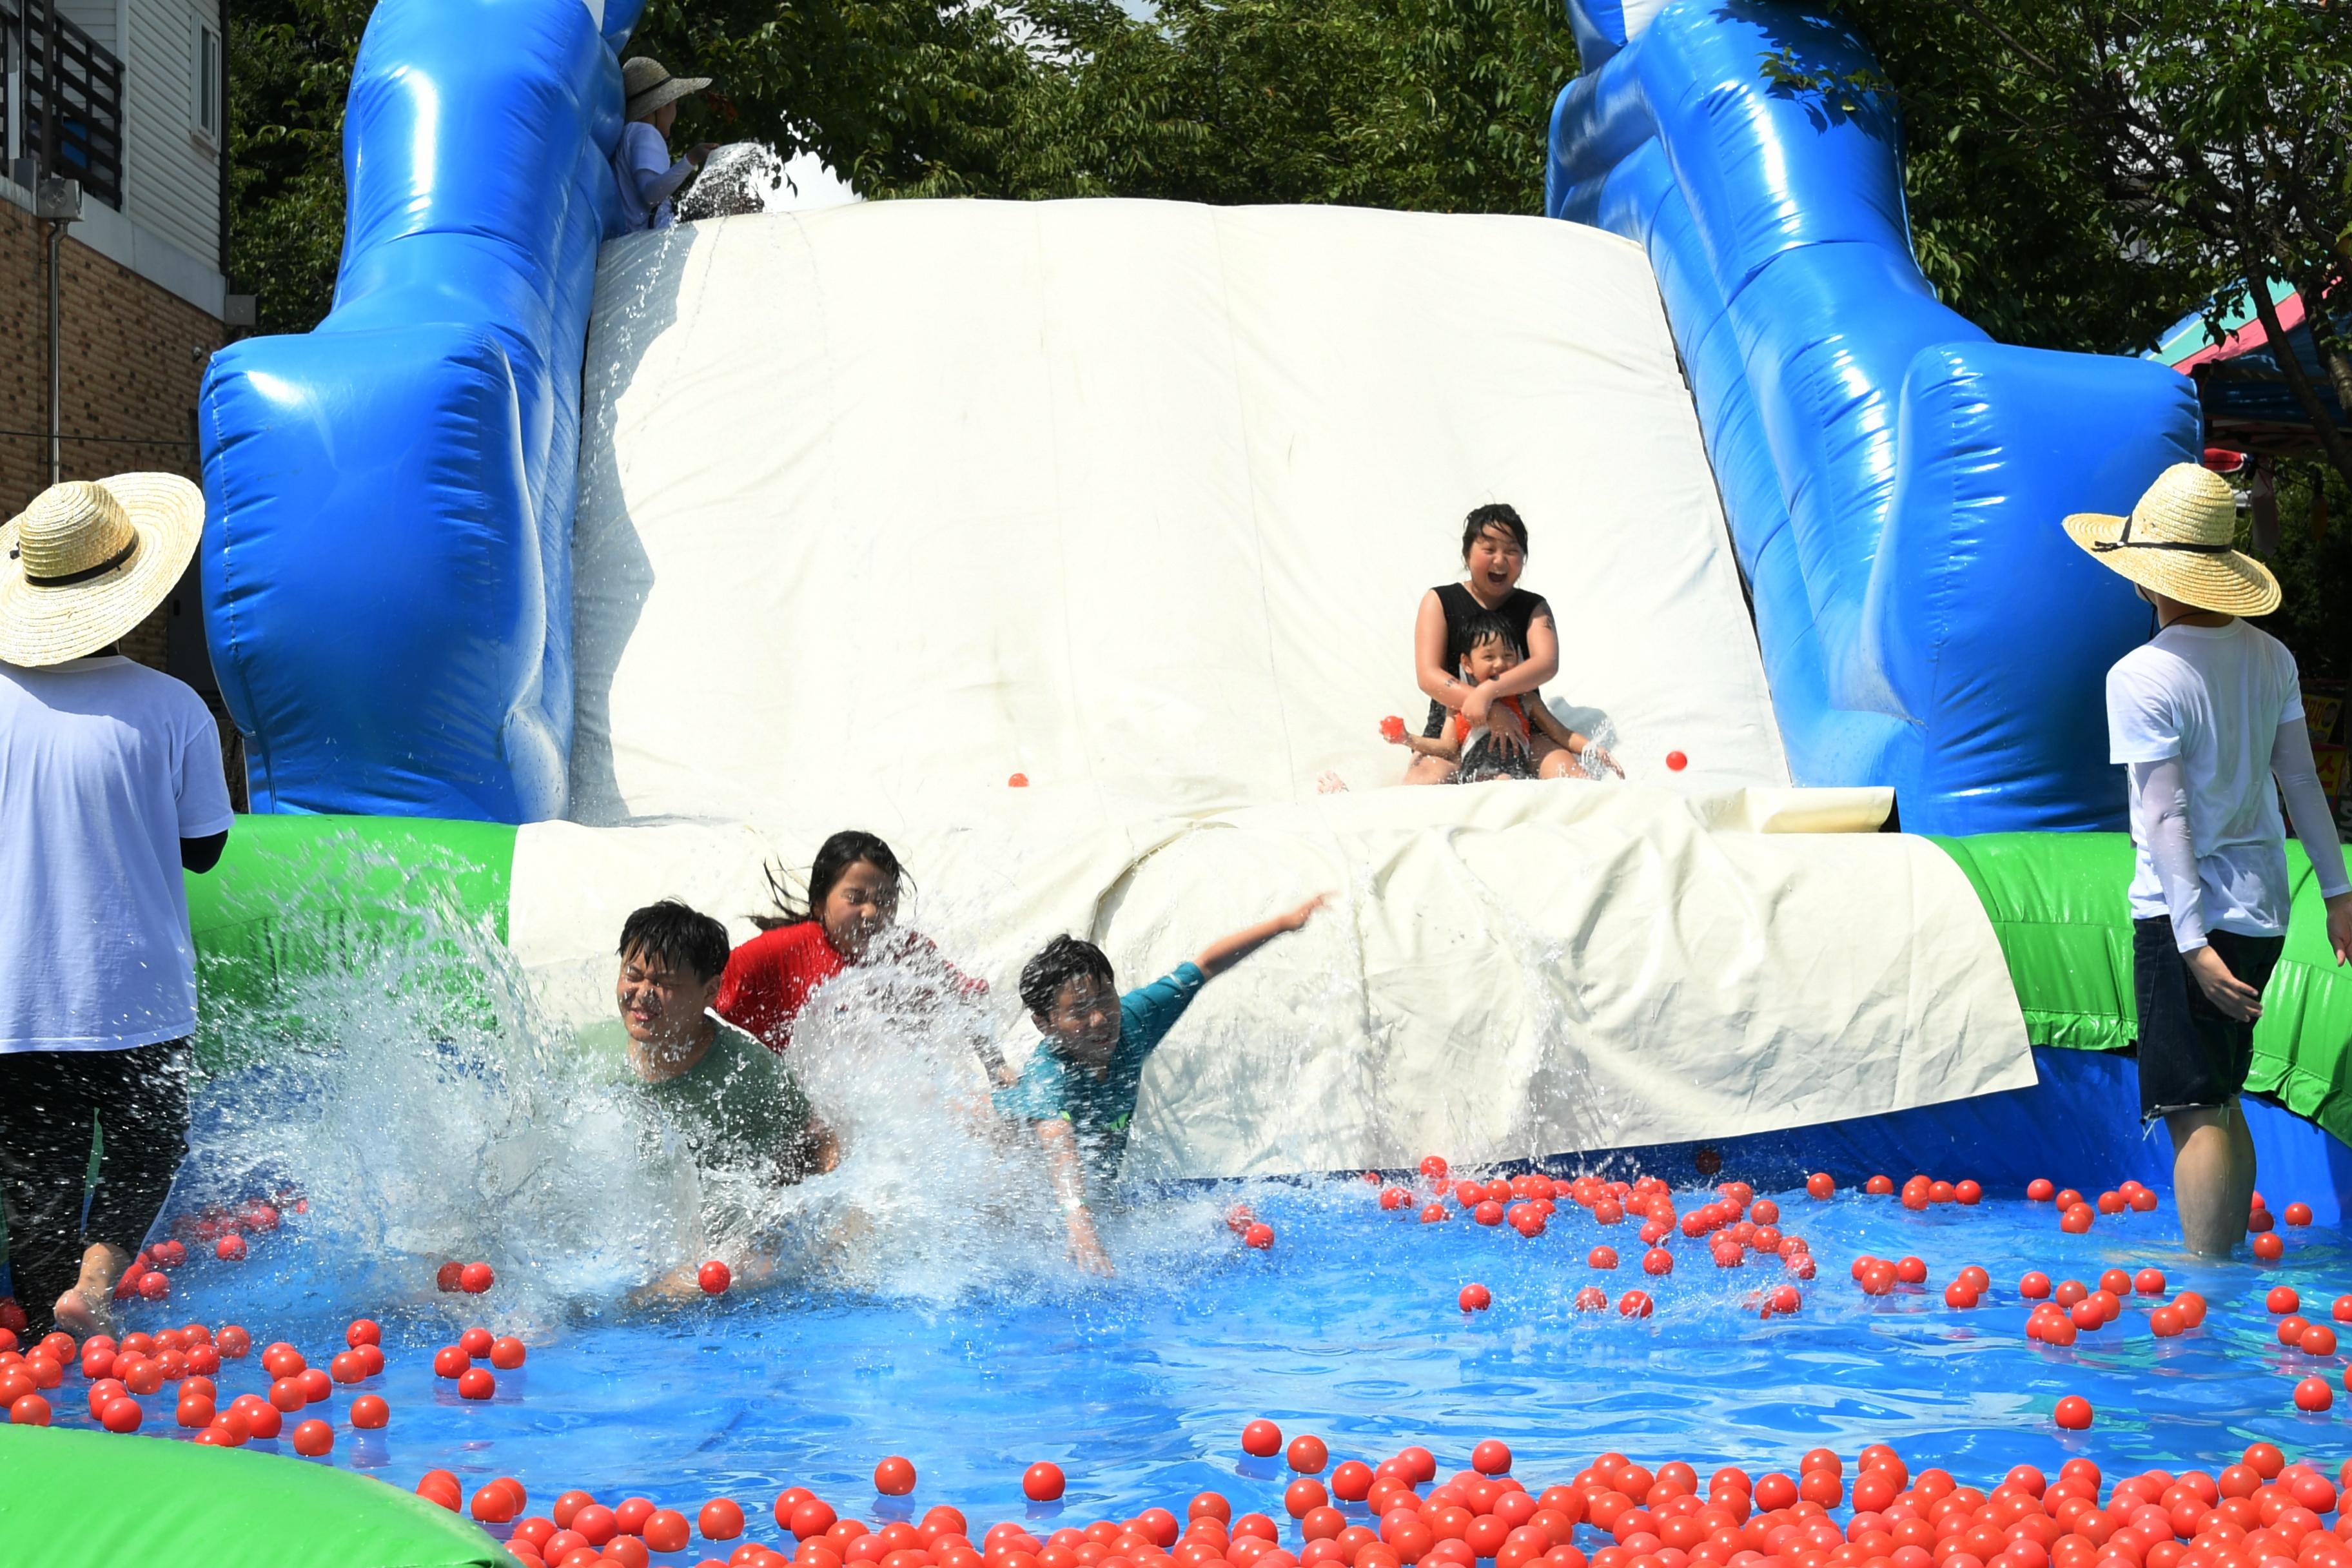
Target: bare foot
1330,783
82,1314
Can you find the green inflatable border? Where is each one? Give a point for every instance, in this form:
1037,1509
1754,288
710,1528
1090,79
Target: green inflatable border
2056,902
69,1496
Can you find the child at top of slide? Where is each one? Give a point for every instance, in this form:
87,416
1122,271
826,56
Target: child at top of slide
641,159
1502,746
1078,1088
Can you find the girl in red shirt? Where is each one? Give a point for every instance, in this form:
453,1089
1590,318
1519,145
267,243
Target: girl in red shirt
850,916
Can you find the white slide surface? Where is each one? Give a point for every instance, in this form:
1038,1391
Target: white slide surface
885,504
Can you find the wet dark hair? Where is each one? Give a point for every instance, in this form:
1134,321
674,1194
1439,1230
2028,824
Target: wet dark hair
834,856
681,937
1486,626
1494,514
1058,963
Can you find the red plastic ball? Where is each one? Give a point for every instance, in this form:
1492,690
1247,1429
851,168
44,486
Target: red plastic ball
2269,1247
1634,1304
2313,1394
1606,1257
2296,1214
1433,1214
349,1366
1879,1186
1434,1167
1474,1298
362,1331
476,1342
1491,1458
1304,1496
370,1413
154,1287
1308,1455
230,1249
2148,1282
2073,1412
665,1530
1259,1236
450,1361
28,1410
475,1278
894,1476
595,1523
312,1439
233,1342
477,1383
1041,1482
1262,1439
449,1276
1657,1260
1676,762
714,1277
2040,1189
122,1414
1967,1194
1591,1299
507,1353
719,1520
1820,1184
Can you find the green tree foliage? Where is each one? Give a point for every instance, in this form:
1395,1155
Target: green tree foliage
290,69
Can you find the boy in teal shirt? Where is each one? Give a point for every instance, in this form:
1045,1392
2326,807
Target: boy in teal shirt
1078,1088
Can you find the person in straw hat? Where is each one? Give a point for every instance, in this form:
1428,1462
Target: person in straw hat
110,784
2204,716
641,163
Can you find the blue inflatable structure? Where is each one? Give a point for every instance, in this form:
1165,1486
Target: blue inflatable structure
386,555
1891,477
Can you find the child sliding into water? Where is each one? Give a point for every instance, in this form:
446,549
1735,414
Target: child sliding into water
1504,746
1078,1088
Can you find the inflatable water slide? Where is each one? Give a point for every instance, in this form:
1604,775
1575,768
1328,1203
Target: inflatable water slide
1075,547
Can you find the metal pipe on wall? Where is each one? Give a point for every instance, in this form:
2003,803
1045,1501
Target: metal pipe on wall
57,360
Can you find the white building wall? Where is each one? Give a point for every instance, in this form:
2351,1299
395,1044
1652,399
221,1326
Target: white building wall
102,19
171,174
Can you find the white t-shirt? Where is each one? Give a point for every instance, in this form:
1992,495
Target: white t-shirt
643,168
105,765
2214,696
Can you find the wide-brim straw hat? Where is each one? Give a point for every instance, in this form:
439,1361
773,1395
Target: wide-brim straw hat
2180,541
90,560
646,85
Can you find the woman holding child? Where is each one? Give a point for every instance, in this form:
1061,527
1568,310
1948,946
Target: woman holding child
1522,738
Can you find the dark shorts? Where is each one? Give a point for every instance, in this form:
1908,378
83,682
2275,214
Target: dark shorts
2191,1058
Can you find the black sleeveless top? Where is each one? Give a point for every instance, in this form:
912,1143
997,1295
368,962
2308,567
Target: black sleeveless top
1519,609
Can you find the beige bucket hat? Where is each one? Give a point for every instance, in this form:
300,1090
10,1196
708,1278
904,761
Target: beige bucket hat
646,85
90,560
2180,540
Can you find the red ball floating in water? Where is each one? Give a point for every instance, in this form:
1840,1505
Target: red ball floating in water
2282,1299
477,1383
312,1439
2148,1282
1657,1260
2073,1412
450,1362
233,1343
475,1278
1676,762
1879,1186
449,1276
1475,1299
2268,1247
666,1530
1606,1257
1303,1496
230,1249
1434,1167
1212,1505
154,1287
1634,1304
1259,1236
1041,1482
370,1413
1491,1458
1351,1481
476,1342
1967,1194
362,1331
2297,1214
1262,1439
2165,1322
720,1519
894,1476
1308,1454
349,1366
1820,1184
2313,1394
507,1352
2040,1190
1591,1299
2075,1220
1434,1215
1395,1198
714,1277
122,1414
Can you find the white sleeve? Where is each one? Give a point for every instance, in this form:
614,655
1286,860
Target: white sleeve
661,184
202,792
2142,726
2161,810
2307,804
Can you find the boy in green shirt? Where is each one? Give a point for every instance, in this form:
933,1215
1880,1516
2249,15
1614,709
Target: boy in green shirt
1078,1086
733,1104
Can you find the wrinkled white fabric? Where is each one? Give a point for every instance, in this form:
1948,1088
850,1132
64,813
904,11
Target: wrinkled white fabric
1508,970
2159,793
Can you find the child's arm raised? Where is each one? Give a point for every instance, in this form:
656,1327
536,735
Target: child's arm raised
1226,952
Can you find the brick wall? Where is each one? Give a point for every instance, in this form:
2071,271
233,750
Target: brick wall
134,355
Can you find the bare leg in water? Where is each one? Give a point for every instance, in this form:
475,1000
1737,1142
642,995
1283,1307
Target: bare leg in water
2212,1176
